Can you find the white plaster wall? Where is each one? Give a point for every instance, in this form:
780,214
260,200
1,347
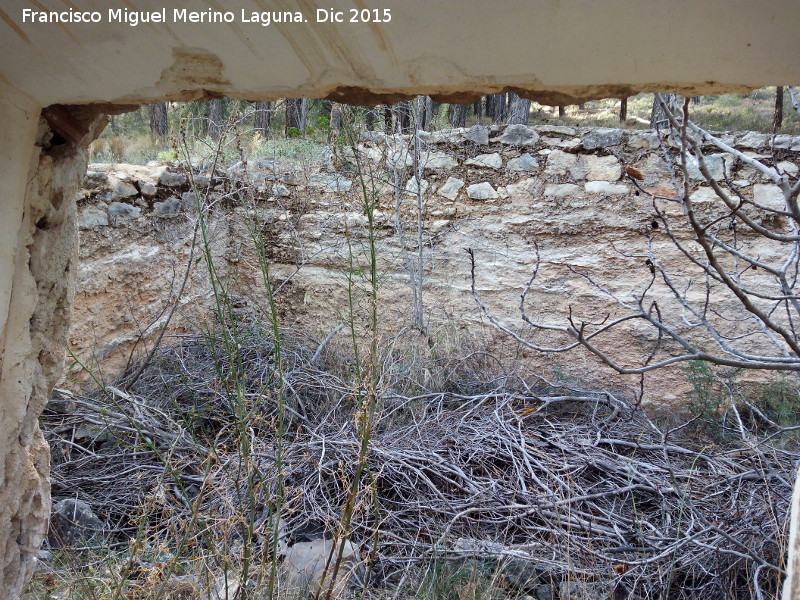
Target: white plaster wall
581,48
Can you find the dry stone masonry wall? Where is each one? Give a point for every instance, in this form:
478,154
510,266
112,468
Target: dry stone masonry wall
507,193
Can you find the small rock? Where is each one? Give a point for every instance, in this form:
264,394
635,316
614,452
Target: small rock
289,178
602,138
752,140
61,403
704,195
305,563
148,189
526,162
717,164
123,189
643,141
326,160
488,161
121,213
280,190
557,129
525,188
169,179
73,523
570,144
602,168
412,187
787,167
439,161
330,183
92,217
225,587
452,136
606,188
202,181
519,135
482,191
373,137
560,162
552,141
544,592
477,134
579,590
783,141
451,188
769,196
172,207
94,179
654,169
561,190
189,200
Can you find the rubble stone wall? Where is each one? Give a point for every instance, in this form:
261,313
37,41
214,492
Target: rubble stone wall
508,193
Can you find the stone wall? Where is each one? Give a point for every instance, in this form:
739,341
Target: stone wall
507,193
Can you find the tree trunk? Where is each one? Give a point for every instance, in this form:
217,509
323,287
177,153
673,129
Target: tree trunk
370,118
402,115
430,112
562,111
387,118
215,115
424,112
478,108
304,115
159,126
336,116
490,107
519,109
458,115
262,118
294,109
777,122
496,107
657,117
623,110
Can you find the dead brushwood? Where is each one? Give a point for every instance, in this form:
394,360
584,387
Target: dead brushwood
578,484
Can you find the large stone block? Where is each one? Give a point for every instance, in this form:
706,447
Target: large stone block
602,138
487,161
482,191
310,566
560,162
598,168
519,135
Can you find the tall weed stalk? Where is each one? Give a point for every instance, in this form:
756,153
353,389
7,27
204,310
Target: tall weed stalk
246,408
366,366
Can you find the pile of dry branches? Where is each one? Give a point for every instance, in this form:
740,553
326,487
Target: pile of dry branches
576,485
